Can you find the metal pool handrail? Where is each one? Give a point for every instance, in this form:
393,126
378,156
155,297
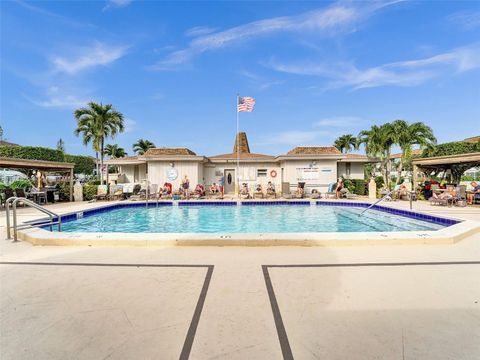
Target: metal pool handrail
376,202
14,200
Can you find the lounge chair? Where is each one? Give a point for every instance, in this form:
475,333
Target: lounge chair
438,201
136,192
245,195
461,198
271,194
153,192
331,191
116,192
258,194
102,193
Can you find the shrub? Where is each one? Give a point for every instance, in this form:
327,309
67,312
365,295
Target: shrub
89,191
359,186
21,184
83,164
31,152
64,191
349,185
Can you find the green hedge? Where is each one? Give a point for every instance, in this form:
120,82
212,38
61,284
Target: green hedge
89,191
359,186
452,148
31,152
83,164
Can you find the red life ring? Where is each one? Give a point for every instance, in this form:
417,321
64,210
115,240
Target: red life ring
273,173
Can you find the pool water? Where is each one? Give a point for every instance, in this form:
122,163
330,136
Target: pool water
245,219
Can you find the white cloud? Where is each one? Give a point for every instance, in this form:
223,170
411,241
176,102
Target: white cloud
337,17
89,57
403,73
340,121
199,30
467,20
295,137
57,98
258,81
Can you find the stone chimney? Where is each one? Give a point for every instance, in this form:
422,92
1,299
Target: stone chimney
242,143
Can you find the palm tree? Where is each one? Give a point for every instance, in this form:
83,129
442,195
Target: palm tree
141,146
105,122
87,129
345,143
378,142
115,151
406,135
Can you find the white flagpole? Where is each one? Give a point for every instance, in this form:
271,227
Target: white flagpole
237,141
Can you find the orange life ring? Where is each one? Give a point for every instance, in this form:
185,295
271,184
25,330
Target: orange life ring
273,173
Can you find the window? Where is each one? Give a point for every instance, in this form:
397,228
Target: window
348,168
261,172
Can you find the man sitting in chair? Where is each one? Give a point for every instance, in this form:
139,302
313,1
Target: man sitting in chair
244,194
270,188
258,191
214,189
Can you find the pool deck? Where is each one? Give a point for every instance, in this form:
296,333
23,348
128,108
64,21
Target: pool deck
356,302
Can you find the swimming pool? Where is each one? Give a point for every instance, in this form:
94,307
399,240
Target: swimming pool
251,217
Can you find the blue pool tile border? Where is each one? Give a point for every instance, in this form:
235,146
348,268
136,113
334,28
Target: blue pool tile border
406,213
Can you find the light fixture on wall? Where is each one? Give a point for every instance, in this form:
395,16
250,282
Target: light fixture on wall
172,164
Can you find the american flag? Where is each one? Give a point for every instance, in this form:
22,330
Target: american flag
245,104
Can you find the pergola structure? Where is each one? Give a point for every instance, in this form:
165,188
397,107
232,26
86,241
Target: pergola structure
62,167
444,162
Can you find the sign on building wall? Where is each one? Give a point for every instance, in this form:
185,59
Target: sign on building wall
313,173
172,174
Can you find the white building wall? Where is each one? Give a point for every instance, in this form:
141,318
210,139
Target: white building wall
128,172
323,173
356,170
248,173
157,172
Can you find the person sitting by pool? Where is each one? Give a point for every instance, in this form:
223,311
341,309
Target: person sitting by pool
450,193
167,190
214,189
199,191
258,191
300,192
244,193
471,194
338,188
270,188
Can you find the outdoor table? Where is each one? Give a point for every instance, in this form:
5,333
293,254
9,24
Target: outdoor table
37,194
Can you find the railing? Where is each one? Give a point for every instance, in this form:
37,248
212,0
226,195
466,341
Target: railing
376,202
14,201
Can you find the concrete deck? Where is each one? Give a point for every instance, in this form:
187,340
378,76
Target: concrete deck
359,302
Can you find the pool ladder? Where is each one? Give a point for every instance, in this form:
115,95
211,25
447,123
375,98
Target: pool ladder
55,219
376,202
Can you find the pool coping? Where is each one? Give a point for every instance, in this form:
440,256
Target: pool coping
455,230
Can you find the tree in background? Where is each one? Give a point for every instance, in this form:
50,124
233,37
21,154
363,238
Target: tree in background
61,145
406,135
115,151
97,122
345,143
141,146
378,141
1,133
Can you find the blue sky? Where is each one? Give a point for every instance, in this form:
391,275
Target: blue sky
317,69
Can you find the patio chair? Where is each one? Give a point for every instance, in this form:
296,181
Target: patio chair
461,198
315,194
102,192
331,191
258,194
138,192
438,201
153,192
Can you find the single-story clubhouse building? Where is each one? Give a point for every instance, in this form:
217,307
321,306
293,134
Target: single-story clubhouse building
316,166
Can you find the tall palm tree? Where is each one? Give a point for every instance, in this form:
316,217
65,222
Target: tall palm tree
105,122
88,131
378,142
141,146
406,135
345,143
115,151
